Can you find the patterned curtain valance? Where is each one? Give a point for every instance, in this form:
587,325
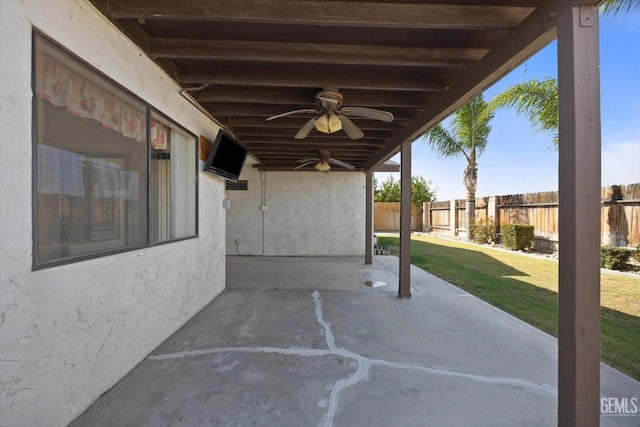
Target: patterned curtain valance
63,86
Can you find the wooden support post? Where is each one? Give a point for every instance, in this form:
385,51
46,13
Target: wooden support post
579,219
404,288
368,221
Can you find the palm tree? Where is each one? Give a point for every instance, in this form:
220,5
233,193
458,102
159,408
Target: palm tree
468,137
538,100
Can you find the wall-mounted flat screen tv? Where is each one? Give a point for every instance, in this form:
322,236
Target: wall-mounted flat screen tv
226,157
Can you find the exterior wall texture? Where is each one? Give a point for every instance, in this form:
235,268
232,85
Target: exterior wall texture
308,214
69,333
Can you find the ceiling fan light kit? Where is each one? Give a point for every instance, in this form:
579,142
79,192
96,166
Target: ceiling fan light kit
322,166
322,124
328,123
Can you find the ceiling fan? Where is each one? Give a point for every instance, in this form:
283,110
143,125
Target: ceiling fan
322,161
331,116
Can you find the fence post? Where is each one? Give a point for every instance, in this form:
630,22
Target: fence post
453,219
492,211
426,217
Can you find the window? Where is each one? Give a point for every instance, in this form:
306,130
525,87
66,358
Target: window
172,192
100,155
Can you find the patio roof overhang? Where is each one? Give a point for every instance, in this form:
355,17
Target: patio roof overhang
247,60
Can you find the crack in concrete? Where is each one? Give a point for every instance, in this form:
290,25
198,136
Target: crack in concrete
360,374
328,334
292,351
364,365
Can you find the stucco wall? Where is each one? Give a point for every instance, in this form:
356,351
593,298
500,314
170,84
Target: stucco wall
308,213
68,333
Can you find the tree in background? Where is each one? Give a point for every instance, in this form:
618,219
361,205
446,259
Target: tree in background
389,191
467,138
421,191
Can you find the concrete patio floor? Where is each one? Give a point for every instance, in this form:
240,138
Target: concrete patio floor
305,342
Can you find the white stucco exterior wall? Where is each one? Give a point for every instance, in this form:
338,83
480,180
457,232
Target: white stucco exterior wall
308,213
68,333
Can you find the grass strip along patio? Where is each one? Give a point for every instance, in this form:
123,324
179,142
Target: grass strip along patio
527,288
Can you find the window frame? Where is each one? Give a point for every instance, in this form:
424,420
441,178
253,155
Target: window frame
149,111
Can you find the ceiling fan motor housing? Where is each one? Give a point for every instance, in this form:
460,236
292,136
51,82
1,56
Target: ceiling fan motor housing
324,155
329,100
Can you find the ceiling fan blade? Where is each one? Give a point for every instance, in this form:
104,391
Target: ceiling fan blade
315,159
350,128
305,164
368,113
288,113
341,163
304,130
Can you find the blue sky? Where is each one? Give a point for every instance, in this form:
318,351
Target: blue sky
503,170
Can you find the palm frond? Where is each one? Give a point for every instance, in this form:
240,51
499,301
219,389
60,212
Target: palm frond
537,100
469,131
619,6
443,142
471,124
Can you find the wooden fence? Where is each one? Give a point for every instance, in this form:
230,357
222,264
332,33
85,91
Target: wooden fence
386,217
620,215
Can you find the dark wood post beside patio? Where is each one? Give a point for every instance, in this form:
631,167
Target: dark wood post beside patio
368,221
404,286
579,219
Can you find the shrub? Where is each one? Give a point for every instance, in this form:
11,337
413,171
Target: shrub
517,236
614,258
483,231
636,254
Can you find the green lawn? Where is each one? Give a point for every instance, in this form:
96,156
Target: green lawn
527,288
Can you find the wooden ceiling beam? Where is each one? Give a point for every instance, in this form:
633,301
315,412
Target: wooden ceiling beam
289,154
287,164
128,26
311,146
293,161
255,95
326,13
168,66
265,110
286,123
260,51
289,78
306,153
310,168
312,142
271,132
302,96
